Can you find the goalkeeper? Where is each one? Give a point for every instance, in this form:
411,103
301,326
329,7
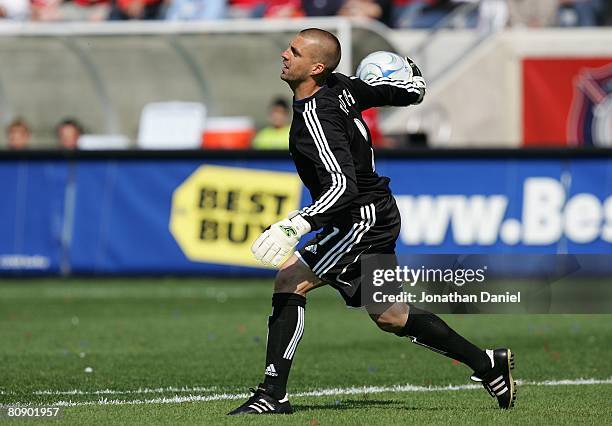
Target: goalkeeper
356,215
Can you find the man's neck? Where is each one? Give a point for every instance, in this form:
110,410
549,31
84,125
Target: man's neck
305,89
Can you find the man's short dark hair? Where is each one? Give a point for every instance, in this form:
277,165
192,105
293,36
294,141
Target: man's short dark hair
69,122
329,52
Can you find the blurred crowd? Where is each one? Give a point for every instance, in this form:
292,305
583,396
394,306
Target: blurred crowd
19,135
418,14
70,134
394,13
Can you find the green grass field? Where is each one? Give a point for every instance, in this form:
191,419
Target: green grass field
179,350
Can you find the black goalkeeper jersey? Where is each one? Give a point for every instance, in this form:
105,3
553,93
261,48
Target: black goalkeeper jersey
332,147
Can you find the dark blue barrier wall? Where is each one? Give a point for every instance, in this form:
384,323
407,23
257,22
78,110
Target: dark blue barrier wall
105,214
515,205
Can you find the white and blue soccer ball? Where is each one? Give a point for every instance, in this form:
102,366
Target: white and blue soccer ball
384,64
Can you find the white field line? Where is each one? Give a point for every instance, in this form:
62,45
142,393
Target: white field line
315,393
183,389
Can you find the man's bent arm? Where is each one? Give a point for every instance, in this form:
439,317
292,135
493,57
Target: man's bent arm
328,148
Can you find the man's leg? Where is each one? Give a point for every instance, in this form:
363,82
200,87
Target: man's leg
429,330
285,329
286,324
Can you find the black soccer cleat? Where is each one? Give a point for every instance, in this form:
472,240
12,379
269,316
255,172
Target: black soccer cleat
263,403
498,381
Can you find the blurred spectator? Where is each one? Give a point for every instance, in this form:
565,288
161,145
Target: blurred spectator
265,9
123,10
18,134
18,10
580,13
373,9
196,10
246,8
283,9
533,14
493,15
85,10
276,135
322,7
485,15
68,132
45,10
468,20
421,14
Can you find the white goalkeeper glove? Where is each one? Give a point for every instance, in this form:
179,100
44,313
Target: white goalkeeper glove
275,243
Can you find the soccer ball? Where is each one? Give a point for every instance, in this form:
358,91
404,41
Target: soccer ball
384,64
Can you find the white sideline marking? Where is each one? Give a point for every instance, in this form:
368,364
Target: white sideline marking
320,392
182,389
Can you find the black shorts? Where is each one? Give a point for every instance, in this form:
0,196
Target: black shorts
335,253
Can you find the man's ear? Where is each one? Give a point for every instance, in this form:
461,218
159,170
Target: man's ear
317,69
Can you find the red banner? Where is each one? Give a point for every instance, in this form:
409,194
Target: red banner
567,101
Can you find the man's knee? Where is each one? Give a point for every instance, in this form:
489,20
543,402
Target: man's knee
285,282
393,319
294,277
388,323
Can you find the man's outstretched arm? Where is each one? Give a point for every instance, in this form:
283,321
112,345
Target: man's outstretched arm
383,91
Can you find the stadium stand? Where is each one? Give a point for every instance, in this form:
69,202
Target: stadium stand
117,69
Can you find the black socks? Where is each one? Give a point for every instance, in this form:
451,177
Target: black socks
427,329
286,326
285,329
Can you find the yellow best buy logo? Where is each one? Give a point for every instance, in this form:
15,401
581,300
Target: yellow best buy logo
218,212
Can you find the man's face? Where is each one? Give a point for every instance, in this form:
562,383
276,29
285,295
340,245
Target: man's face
68,136
278,116
298,62
18,137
